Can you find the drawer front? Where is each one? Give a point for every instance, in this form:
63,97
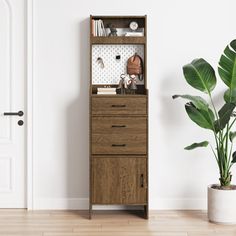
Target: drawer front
119,180
119,105
119,135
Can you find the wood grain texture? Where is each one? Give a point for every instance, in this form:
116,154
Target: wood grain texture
107,157
120,21
110,132
119,105
109,223
146,208
118,40
119,181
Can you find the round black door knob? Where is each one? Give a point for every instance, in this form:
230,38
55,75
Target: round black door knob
20,122
20,113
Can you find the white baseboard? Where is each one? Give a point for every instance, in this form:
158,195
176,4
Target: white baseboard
178,204
83,204
60,204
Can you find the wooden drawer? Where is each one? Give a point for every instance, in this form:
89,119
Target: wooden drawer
119,135
119,105
119,180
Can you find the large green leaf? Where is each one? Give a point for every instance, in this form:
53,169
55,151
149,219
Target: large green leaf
224,116
234,157
204,119
196,145
197,101
230,95
200,75
227,68
232,135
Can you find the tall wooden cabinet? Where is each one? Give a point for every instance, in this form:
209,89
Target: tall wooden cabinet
118,122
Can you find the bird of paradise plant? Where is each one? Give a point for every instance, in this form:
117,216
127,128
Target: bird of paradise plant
201,76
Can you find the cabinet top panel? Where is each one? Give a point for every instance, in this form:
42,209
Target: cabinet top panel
118,17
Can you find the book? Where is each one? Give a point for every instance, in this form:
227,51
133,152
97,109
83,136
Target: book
106,89
103,29
95,28
98,28
134,34
106,93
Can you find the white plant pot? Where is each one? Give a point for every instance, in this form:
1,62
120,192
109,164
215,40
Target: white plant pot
221,206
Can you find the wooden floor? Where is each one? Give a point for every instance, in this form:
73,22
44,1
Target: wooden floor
109,223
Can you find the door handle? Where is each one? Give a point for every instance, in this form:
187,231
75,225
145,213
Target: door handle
118,126
118,105
141,181
19,113
118,145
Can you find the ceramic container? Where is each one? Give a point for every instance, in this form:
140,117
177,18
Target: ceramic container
221,205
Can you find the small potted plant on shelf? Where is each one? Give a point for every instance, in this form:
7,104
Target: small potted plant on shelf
201,76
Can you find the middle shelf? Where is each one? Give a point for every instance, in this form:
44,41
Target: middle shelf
118,40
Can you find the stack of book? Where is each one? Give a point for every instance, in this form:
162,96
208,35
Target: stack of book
134,34
98,28
106,91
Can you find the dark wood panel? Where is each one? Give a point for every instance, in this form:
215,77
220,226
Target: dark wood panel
115,144
119,156
119,105
119,135
119,181
118,40
125,125
121,22
118,17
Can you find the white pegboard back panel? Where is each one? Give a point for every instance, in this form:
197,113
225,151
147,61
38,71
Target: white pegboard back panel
113,68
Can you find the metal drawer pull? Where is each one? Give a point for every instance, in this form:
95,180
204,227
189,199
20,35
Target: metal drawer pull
118,105
19,113
141,181
118,126
118,145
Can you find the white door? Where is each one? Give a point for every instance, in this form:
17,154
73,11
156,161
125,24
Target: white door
12,99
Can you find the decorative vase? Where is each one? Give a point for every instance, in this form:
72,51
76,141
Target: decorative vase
222,205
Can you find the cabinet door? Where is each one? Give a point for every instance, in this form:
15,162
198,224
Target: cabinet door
119,180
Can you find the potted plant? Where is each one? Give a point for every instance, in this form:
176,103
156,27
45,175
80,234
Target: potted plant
201,76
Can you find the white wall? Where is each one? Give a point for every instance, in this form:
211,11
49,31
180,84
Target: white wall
178,31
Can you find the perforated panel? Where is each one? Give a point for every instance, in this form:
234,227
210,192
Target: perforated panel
113,68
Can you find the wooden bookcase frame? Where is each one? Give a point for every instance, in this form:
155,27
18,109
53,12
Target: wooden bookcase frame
122,22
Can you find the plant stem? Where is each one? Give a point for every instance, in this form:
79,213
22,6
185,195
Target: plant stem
226,144
214,154
229,164
222,149
232,123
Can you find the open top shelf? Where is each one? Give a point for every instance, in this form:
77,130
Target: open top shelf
122,24
121,21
